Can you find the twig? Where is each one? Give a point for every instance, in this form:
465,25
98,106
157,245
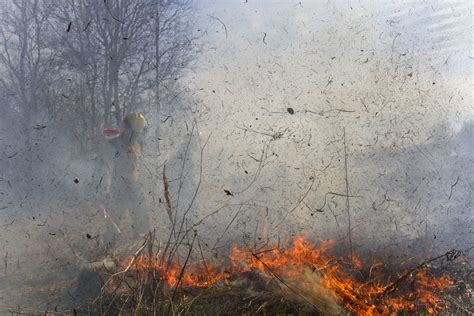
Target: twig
204,261
274,136
223,24
301,200
248,129
365,106
227,228
450,256
347,197
167,194
184,267
169,253
336,194
107,216
266,146
110,12
193,199
135,256
179,236
181,177
6,262
393,46
452,186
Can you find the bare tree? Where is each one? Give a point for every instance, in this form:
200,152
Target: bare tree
87,63
172,45
22,58
98,50
118,53
27,63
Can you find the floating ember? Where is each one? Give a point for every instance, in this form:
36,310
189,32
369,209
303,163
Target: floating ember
311,273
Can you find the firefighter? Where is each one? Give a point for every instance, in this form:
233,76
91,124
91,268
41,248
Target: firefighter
121,189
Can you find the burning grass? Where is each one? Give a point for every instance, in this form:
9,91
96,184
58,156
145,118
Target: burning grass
302,277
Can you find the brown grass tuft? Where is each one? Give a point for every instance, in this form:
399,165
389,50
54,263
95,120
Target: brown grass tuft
309,285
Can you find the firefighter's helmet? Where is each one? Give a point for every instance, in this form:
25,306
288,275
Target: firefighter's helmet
136,121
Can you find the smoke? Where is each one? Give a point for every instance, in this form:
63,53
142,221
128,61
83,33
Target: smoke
251,139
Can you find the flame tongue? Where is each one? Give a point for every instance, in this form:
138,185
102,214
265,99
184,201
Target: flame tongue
314,276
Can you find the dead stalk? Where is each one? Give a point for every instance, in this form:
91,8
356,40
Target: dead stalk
166,193
348,209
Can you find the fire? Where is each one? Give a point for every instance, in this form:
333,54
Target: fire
299,265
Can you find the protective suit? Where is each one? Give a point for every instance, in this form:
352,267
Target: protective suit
120,189
134,125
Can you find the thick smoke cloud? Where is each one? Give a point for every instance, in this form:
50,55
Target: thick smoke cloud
353,123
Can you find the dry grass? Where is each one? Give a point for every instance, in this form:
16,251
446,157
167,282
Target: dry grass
128,291
143,291
310,286
132,291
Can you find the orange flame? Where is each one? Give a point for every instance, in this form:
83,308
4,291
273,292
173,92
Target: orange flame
341,276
